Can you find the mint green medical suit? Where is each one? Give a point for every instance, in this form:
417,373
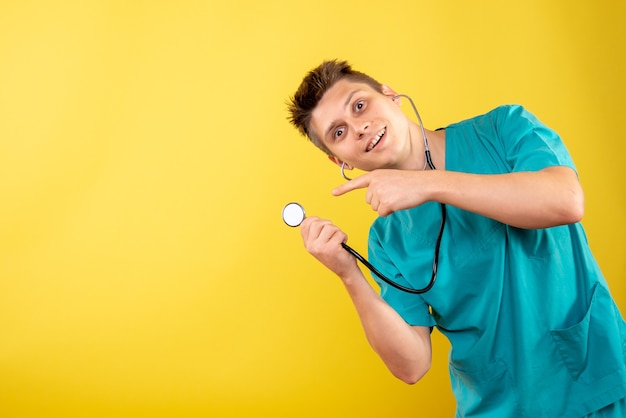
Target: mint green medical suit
533,328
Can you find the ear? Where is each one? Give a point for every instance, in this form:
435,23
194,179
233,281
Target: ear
339,162
388,91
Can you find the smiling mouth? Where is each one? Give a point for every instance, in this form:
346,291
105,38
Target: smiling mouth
376,140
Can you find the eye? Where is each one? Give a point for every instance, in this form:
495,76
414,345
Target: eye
338,133
359,105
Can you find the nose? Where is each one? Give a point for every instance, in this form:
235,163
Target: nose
360,128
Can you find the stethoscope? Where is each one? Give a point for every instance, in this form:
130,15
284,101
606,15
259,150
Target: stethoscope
294,215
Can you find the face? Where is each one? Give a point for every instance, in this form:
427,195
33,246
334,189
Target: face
362,127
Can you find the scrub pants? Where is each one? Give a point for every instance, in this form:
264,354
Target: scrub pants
616,410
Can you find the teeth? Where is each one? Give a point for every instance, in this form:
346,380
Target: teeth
376,139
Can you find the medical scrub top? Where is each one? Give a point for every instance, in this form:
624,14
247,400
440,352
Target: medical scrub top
533,328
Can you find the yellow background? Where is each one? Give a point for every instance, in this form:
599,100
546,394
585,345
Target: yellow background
145,158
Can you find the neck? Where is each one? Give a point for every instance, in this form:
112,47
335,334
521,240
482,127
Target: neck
436,145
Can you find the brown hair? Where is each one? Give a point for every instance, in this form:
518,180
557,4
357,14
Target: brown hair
313,87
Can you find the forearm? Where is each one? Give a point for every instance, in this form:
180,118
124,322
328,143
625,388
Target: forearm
542,199
405,350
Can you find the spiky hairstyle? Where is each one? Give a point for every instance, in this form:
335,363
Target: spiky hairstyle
313,86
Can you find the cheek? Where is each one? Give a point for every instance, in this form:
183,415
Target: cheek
343,150
400,126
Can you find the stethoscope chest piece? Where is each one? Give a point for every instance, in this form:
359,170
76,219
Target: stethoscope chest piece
293,214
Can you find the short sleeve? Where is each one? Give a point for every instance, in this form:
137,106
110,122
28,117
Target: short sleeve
529,144
411,307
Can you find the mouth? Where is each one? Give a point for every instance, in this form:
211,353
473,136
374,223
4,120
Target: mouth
376,140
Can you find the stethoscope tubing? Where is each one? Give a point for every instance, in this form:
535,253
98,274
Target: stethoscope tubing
362,259
383,277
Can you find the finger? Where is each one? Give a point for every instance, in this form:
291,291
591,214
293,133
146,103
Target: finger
374,202
329,239
356,183
323,235
307,224
310,227
319,229
331,234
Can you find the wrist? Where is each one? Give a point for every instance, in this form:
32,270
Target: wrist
351,278
437,189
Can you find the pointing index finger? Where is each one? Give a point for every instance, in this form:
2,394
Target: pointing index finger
360,182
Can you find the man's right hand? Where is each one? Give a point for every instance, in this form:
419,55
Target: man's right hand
323,240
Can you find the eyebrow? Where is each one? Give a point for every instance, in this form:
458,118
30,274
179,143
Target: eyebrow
346,103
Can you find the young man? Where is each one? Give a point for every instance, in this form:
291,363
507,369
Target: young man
533,328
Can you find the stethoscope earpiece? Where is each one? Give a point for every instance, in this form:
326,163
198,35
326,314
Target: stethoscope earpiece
293,215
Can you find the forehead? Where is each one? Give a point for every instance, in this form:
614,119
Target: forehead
333,104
